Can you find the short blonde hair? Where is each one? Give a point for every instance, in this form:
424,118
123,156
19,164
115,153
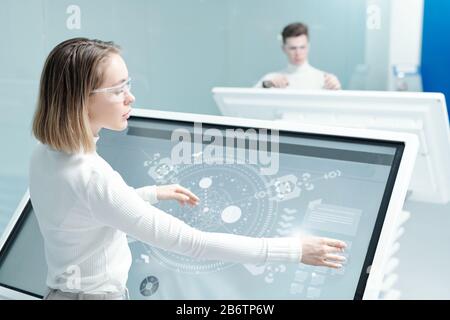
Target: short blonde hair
72,70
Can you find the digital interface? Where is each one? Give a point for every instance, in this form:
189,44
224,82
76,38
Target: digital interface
322,185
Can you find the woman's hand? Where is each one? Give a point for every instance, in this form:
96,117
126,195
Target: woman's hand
319,251
176,192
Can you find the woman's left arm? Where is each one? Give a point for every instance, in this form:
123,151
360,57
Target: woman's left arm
168,192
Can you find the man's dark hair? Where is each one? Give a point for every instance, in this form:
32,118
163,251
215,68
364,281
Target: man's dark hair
294,30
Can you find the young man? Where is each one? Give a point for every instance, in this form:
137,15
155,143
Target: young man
299,74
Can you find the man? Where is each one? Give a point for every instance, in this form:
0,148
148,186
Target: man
299,74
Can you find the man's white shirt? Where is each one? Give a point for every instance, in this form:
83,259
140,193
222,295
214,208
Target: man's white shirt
304,77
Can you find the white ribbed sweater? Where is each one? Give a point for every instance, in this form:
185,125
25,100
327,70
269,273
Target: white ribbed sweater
85,209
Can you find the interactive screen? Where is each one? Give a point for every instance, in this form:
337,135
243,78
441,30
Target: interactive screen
323,185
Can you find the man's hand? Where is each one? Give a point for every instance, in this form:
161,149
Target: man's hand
331,82
176,192
279,81
319,251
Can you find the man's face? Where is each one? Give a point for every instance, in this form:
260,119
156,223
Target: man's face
296,49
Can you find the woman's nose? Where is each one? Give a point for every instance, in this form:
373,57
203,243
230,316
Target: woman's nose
130,98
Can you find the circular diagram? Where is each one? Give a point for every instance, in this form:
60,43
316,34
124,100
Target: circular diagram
231,202
149,286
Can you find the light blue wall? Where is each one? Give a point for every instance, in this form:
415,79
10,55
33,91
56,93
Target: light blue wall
176,52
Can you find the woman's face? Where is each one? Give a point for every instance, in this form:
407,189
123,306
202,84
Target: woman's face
109,105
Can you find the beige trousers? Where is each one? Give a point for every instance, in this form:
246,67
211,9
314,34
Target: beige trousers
55,294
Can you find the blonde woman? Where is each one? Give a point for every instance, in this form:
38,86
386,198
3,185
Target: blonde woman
85,208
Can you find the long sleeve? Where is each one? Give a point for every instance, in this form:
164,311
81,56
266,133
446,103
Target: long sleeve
113,203
148,193
259,83
264,78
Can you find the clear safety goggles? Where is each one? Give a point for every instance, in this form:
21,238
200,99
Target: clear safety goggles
117,93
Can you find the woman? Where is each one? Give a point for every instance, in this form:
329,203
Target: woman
84,207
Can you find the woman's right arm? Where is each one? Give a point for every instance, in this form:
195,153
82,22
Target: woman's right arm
114,203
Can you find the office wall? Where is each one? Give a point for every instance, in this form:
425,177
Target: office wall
405,44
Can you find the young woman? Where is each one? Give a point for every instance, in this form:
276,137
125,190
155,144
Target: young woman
85,208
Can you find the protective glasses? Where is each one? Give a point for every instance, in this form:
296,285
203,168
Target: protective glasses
117,92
